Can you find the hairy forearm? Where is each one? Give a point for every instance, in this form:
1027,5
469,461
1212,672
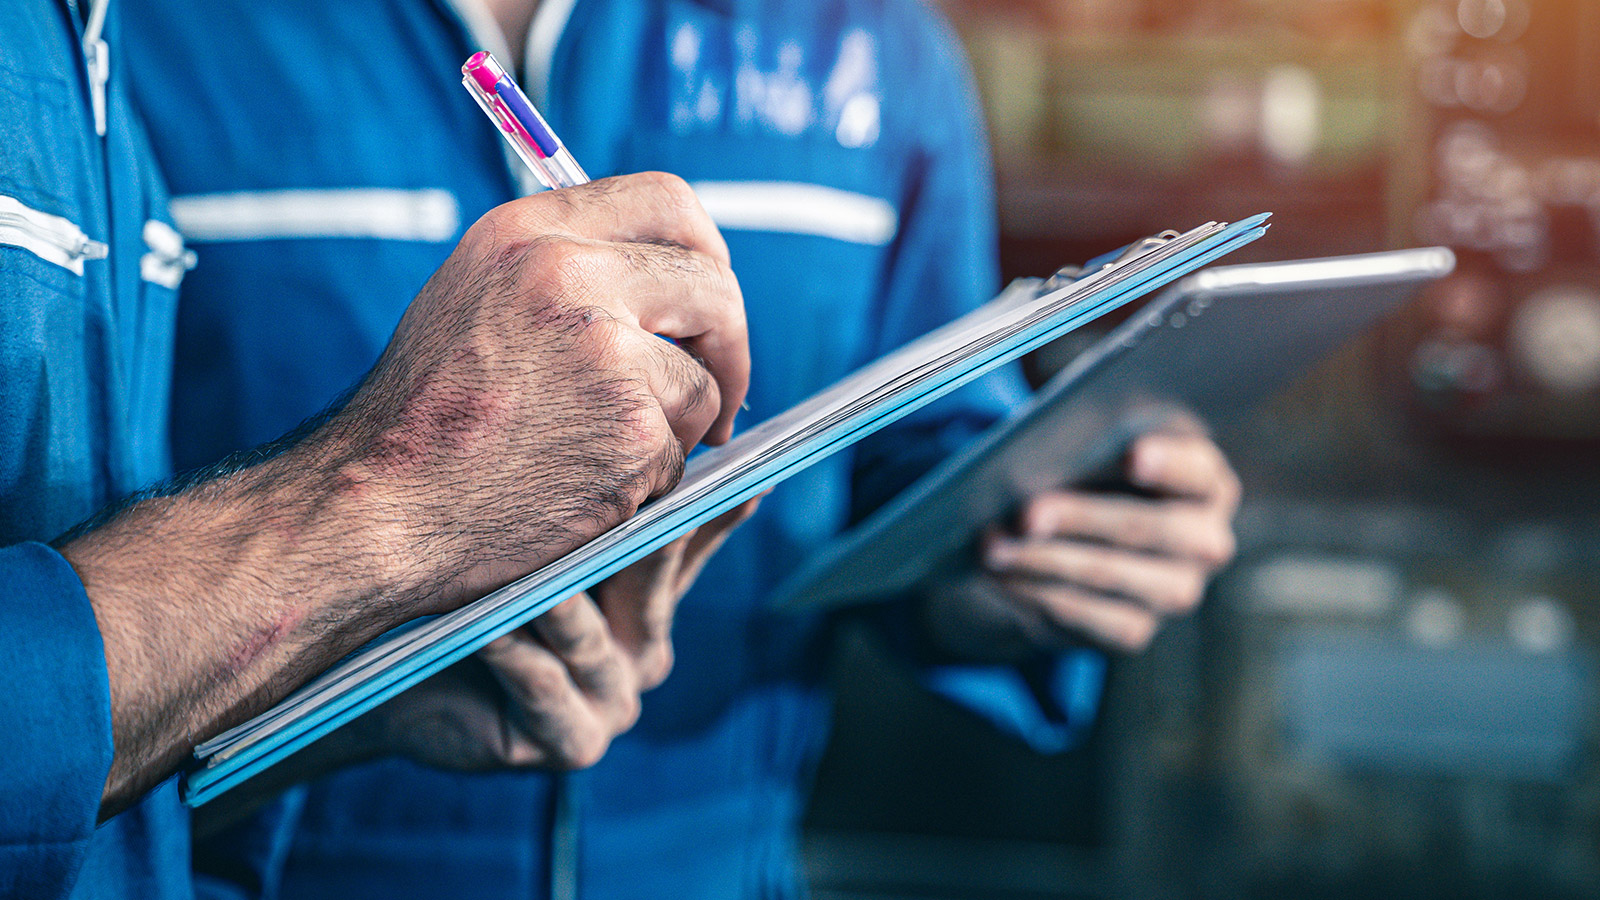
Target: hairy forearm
523,406
216,601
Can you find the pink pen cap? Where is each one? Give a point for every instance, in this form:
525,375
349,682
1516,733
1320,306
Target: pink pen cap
530,136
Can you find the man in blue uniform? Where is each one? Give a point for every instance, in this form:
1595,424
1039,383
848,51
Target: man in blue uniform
163,619
838,147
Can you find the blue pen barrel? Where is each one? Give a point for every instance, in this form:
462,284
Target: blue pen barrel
530,118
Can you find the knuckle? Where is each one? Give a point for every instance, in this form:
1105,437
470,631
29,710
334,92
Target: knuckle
607,339
563,266
725,280
670,459
650,458
695,381
492,224
651,432
656,623
538,680
588,650
676,191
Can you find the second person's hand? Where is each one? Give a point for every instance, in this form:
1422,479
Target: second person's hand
1096,568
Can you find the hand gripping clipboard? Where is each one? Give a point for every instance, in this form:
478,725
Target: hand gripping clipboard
1213,346
714,482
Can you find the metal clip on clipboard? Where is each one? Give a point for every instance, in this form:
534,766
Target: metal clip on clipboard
1068,274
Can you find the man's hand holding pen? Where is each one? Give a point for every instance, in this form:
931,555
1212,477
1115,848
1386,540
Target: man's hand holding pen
524,405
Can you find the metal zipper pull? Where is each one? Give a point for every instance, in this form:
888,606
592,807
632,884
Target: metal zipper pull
97,54
49,237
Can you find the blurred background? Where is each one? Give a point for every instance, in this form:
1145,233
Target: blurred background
1392,693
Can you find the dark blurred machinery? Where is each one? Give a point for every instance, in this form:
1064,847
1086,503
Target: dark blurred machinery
1394,692
1510,348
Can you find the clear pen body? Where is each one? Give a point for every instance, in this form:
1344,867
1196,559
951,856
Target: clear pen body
561,170
519,123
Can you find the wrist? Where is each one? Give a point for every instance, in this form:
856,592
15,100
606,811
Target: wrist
335,533
214,601
296,549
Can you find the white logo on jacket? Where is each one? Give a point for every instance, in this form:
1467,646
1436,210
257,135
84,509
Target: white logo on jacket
770,87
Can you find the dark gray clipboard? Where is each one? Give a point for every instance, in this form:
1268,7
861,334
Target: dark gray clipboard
1215,344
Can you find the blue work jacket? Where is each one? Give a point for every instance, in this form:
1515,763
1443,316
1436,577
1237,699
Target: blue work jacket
89,264
838,145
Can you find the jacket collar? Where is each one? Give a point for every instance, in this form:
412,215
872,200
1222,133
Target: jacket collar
549,24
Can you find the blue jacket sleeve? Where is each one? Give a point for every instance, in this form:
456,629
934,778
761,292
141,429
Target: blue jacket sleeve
56,711
944,266
1049,704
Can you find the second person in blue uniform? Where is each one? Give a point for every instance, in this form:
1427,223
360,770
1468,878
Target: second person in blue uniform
838,146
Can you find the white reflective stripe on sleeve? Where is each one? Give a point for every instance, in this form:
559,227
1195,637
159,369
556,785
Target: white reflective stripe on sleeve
798,208
429,214
51,238
168,260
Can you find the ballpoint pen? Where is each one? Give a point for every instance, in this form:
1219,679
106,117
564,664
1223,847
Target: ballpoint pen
521,125
523,128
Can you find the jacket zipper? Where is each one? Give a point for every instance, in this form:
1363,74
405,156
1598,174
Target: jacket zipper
51,238
97,57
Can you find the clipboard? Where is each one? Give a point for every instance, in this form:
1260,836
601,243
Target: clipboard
1213,345
1021,319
